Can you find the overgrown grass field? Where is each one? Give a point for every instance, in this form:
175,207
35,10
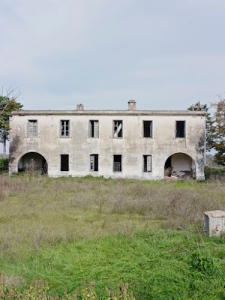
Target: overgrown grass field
147,233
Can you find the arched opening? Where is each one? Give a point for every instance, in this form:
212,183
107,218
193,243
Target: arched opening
179,165
33,162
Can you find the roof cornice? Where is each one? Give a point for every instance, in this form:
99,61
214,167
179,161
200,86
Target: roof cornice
108,113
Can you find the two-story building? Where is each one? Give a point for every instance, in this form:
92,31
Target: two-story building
143,144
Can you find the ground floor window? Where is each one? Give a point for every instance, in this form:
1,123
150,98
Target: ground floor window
117,163
64,166
94,162
147,163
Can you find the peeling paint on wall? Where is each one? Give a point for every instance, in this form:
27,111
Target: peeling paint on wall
130,138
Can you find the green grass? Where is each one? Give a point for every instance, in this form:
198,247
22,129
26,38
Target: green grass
149,234
156,264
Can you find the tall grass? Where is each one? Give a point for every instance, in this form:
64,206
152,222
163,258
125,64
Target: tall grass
66,230
40,211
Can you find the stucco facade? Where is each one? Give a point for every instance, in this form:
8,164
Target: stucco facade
134,143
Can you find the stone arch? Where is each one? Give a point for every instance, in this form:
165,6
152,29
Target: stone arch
180,165
33,161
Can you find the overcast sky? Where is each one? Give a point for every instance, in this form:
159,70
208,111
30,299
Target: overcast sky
165,54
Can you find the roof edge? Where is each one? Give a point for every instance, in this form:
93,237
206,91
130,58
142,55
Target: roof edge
108,112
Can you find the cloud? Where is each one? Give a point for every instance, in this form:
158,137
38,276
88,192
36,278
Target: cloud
56,51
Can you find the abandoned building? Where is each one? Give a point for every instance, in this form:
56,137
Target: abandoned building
143,144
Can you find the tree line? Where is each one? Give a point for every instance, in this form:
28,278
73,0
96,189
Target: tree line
215,128
215,124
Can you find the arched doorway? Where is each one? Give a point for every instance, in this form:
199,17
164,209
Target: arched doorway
179,165
33,162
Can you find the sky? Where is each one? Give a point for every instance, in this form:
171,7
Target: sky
102,53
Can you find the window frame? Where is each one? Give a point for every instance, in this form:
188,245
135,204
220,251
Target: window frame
93,129
64,130
145,163
178,130
62,165
95,167
114,131
150,129
121,163
32,133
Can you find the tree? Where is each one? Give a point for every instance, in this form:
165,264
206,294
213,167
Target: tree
209,124
7,105
219,132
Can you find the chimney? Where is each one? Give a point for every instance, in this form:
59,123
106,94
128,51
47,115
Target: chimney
80,107
131,105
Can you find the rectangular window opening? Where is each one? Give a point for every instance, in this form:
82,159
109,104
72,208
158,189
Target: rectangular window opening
32,128
147,129
147,163
94,162
64,162
118,129
180,129
64,129
117,163
94,128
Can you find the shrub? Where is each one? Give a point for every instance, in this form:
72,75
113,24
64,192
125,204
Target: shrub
4,164
214,173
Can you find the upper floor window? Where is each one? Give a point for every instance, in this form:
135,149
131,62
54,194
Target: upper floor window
64,128
32,128
147,129
118,129
94,128
180,129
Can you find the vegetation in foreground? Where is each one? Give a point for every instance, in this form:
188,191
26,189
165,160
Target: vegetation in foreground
149,234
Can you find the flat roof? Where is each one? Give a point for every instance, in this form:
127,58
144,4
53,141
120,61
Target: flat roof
110,112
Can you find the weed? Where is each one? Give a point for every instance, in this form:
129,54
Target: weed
39,290
204,265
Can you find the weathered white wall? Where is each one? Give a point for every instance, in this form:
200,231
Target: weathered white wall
182,164
132,146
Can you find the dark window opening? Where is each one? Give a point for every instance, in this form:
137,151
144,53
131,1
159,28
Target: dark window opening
117,163
64,162
147,129
117,129
180,129
32,128
65,128
94,129
147,160
94,162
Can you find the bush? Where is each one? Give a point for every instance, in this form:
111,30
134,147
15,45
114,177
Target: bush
214,173
4,164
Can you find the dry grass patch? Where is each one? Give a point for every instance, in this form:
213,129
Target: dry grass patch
37,211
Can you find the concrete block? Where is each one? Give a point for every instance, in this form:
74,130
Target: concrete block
215,222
